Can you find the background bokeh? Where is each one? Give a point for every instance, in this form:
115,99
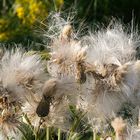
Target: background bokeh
20,20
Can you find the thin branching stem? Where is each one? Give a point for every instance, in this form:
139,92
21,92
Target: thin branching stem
94,134
59,134
47,133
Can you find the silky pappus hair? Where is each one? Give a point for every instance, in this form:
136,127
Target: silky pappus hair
110,60
21,79
102,55
100,68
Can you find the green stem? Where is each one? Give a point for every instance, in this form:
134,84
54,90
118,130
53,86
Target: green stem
36,137
47,133
95,8
59,134
94,135
55,7
70,135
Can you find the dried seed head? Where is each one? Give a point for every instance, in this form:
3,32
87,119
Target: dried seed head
120,73
49,91
66,32
80,74
24,78
119,125
43,107
49,88
8,121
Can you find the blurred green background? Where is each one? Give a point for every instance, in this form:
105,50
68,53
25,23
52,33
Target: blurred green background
21,19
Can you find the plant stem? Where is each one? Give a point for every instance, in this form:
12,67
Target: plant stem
59,134
55,7
95,8
47,133
94,135
70,135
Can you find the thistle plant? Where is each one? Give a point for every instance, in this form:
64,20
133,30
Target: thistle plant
95,74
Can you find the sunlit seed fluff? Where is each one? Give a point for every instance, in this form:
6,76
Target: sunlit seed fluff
112,46
118,124
22,77
59,93
59,115
110,62
134,133
29,108
64,58
66,33
21,73
66,51
8,124
126,131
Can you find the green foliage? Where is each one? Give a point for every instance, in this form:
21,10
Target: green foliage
79,130
102,10
18,19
